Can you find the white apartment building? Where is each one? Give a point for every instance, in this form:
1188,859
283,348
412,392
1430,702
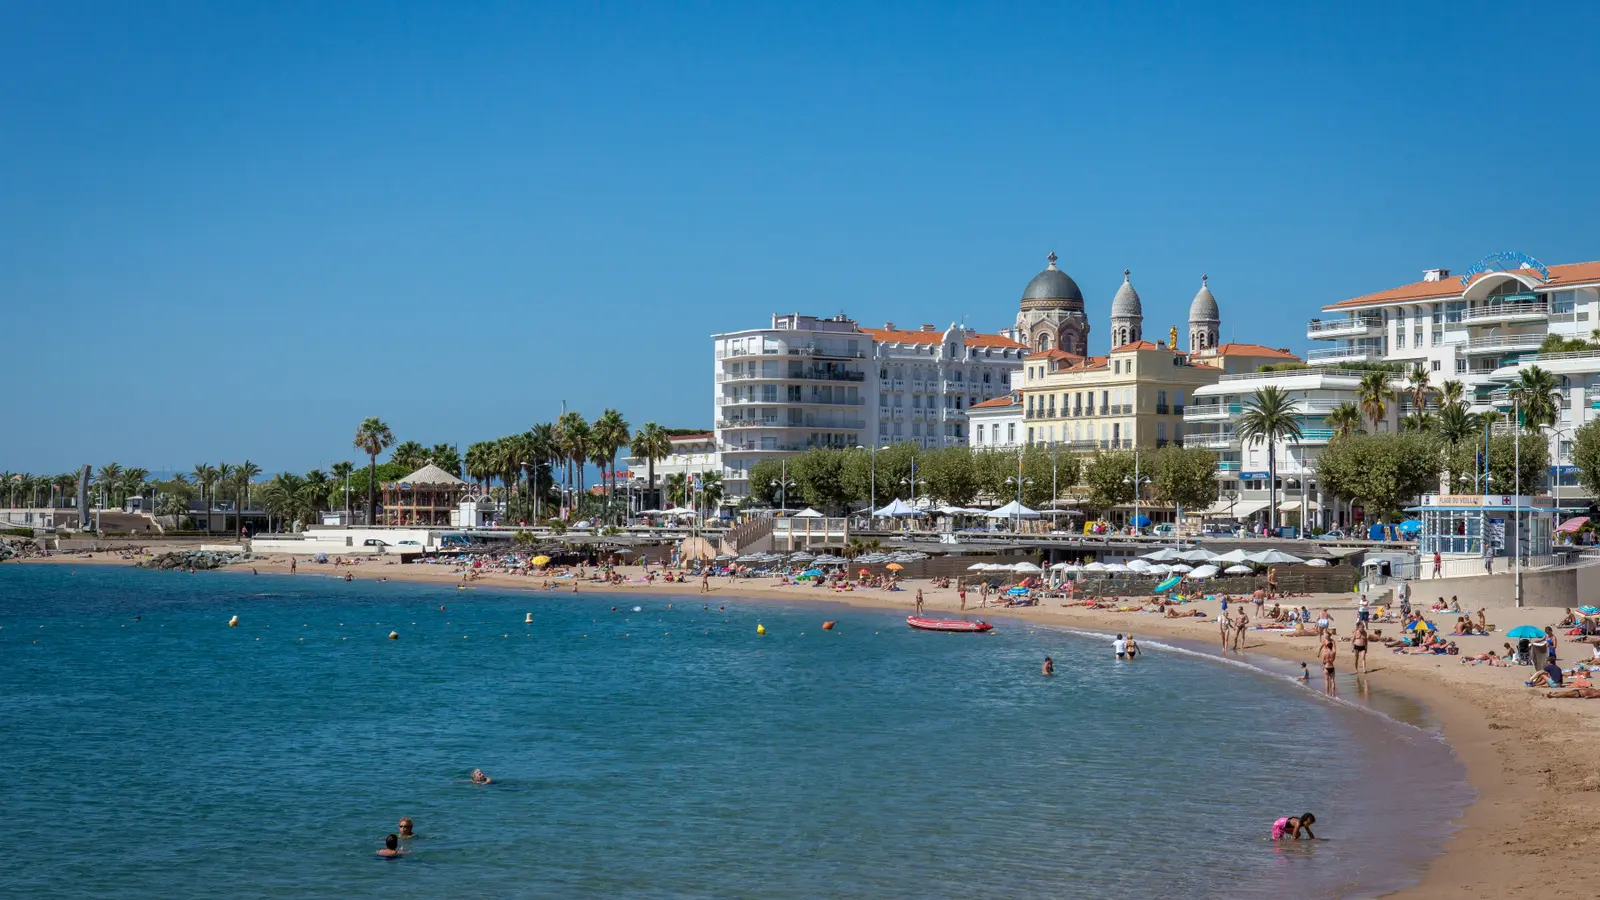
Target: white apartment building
1242,471
692,454
812,382
1481,327
997,424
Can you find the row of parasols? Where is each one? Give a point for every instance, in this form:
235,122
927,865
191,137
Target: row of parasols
1166,562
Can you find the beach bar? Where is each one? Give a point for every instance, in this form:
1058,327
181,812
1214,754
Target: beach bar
1458,525
427,496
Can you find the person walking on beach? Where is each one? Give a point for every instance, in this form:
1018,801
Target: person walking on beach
983,594
1358,646
1272,580
1438,563
705,581
291,565
1328,655
1224,627
919,601
1239,625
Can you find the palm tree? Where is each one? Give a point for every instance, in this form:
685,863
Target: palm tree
446,457
480,461
108,480
224,478
1452,391
651,442
66,484
410,454
205,475
1456,424
1418,422
1538,393
1373,393
243,473
341,473
575,437
133,482
544,446
1418,386
315,492
1345,418
710,490
372,438
677,489
610,434
1269,417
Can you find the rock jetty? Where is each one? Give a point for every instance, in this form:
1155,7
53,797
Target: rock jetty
193,559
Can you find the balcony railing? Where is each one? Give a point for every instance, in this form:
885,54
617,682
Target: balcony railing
1504,342
1506,312
1162,409
1202,411
1346,327
1358,353
1212,441
814,350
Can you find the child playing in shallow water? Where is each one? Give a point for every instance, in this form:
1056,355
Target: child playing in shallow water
1289,827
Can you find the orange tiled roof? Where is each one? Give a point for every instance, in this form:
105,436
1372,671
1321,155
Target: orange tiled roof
1450,287
937,337
1253,350
1142,345
1007,400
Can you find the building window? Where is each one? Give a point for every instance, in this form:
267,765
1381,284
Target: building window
916,429
1011,433
979,433
1030,435
1436,365
1461,367
1400,340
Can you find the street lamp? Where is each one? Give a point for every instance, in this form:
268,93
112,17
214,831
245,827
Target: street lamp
1558,432
872,501
1019,481
913,481
1138,483
783,484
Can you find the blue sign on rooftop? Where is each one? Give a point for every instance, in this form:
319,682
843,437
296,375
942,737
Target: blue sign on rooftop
1504,262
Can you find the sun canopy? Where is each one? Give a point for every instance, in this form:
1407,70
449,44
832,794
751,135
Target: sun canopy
1197,555
808,513
1238,570
1233,556
1273,558
898,509
1571,525
1013,510
1203,573
1319,563
1165,554
1025,567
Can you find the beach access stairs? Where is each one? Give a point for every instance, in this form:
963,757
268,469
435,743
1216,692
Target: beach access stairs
749,536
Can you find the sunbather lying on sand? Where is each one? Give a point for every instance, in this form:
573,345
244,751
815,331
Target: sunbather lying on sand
1583,693
1172,613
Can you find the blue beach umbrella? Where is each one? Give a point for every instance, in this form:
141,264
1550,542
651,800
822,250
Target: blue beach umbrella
1141,521
811,573
1018,590
1410,526
1525,631
1589,610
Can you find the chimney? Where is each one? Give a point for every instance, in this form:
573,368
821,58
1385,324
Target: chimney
888,326
1435,274
928,328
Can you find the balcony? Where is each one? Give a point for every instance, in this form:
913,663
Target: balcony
1214,441
1352,326
1519,311
1162,409
1228,465
1335,355
1316,407
1212,411
1315,435
1505,343
826,353
747,423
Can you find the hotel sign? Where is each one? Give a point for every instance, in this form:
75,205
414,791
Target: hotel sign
1504,262
1468,500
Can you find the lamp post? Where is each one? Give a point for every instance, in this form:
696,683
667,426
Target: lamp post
1138,483
783,484
872,498
913,481
1558,432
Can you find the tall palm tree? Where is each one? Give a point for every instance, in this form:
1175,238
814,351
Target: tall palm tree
1418,387
1418,422
480,462
575,437
677,484
652,442
1345,418
1455,424
446,457
544,446
134,481
243,475
1373,393
315,493
409,454
342,471
1538,393
205,475
1269,417
372,438
67,485
611,433
224,478
108,480
710,490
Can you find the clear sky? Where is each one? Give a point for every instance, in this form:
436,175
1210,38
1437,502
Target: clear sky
233,230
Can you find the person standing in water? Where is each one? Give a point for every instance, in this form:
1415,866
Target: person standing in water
1132,648
1049,667
1328,655
391,848
1120,645
1358,646
919,601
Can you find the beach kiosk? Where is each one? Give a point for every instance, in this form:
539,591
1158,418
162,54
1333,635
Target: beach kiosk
1484,526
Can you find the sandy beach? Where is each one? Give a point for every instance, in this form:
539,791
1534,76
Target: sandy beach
1530,759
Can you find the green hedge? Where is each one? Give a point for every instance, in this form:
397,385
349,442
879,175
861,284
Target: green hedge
17,532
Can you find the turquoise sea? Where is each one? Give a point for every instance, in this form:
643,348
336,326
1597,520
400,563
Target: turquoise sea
147,750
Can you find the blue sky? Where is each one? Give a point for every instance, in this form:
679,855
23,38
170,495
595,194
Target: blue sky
234,230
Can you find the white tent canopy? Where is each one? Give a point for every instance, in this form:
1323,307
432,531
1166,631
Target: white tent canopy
898,509
1197,555
1013,510
1203,573
1165,554
808,513
1233,556
1273,557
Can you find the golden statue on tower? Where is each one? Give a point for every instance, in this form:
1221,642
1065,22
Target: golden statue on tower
1172,338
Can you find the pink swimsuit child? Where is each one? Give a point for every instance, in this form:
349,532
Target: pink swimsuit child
1280,829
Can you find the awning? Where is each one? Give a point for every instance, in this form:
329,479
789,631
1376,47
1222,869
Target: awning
1289,506
1573,524
1240,510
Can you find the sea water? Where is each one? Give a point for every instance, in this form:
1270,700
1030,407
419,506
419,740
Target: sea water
149,750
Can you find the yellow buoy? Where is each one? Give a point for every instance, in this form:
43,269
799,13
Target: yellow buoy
233,622
394,635
761,629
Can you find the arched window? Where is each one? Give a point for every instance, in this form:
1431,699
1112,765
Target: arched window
1043,342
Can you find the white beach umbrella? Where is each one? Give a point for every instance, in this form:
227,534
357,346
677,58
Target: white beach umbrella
1198,554
1159,569
1236,555
1319,563
1066,567
1139,565
1204,572
1181,568
1165,554
1026,567
1238,570
977,567
1095,567
1117,569
1273,558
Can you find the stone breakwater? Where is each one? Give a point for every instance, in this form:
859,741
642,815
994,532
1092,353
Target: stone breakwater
193,559
18,548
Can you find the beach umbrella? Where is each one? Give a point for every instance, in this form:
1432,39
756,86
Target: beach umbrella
1018,590
1589,610
1066,567
1273,558
1159,569
1025,567
1236,555
1203,572
1181,567
1141,521
1525,631
865,572
1238,570
1095,567
1138,565
977,567
811,573
1165,554
540,560
321,557
894,567
1197,555
1410,526
1319,563
1118,569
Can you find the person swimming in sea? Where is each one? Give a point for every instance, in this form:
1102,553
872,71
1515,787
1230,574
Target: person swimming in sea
479,778
1289,827
407,827
1049,667
391,848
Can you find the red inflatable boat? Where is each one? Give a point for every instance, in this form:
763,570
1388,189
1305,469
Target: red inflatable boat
946,624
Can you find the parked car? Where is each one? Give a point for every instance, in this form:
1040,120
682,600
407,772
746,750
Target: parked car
1165,529
408,543
374,542
1217,531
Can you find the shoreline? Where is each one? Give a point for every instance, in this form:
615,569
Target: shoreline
1528,759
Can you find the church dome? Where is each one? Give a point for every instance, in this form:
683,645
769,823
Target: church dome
1052,284
1204,307
1126,302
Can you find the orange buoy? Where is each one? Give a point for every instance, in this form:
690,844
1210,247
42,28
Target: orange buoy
827,626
